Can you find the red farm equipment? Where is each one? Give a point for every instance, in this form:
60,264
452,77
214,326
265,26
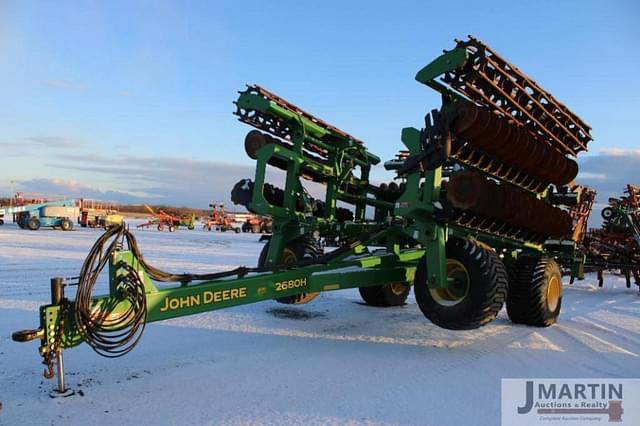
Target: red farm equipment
220,220
162,219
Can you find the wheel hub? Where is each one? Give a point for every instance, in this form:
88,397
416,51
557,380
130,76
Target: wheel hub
553,293
397,288
457,285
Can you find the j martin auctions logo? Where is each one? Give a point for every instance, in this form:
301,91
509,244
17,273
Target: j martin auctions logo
576,401
580,398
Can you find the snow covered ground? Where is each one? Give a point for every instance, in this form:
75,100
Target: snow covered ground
333,361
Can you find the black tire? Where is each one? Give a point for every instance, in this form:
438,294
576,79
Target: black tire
33,223
191,227
476,299
607,213
1,221
296,250
237,230
392,294
535,291
66,225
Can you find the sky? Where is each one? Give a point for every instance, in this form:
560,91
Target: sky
132,100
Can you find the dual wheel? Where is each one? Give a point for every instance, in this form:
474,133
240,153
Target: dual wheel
479,284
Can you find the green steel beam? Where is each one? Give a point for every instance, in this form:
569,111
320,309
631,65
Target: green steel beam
446,62
188,299
417,204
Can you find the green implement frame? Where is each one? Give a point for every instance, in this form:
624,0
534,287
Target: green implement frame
197,297
453,247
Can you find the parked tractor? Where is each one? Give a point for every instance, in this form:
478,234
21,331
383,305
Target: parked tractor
476,216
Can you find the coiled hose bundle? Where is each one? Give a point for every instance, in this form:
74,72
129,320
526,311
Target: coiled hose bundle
110,335
115,333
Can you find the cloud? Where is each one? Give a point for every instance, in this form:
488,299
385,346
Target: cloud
31,146
54,141
73,189
619,152
196,183
13,149
66,85
609,172
137,179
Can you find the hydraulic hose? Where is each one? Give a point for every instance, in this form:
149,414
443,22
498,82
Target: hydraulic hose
115,335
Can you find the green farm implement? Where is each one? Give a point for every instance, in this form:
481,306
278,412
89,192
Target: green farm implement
477,216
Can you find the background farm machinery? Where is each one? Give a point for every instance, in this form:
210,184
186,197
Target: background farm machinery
96,213
253,223
53,214
477,215
616,244
161,219
219,220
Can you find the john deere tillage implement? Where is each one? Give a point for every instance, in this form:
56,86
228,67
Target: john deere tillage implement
475,217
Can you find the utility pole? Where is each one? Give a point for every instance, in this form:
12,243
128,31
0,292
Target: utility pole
11,196
11,201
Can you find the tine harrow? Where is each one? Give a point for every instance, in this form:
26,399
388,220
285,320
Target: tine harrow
270,113
488,79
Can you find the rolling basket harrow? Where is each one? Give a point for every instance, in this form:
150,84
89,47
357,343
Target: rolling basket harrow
483,211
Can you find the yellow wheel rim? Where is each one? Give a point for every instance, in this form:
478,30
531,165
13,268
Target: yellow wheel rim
398,288
288,256
458,285
554,290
